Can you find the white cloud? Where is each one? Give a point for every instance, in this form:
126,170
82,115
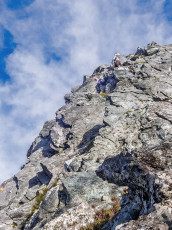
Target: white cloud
84,34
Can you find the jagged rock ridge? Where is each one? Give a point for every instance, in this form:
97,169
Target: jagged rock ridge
97,147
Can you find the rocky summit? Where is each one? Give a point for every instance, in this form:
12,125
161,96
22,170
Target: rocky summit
105,161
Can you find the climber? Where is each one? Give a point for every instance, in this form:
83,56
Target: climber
98,84
141,51
108,83
115,60
101,84
111,83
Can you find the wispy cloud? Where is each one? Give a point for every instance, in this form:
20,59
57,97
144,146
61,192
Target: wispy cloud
57,43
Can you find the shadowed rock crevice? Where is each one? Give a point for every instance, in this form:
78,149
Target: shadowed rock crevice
48,146
42,177
163,117
64,196
43,144
16,181
167,221
89,137
34,181
143,186
61,122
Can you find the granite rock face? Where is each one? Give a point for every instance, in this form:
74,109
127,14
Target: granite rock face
97,147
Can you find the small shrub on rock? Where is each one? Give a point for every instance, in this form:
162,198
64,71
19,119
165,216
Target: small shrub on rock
14,225
54,184
38,199
103,216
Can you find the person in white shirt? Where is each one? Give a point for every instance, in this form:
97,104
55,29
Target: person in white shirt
115,60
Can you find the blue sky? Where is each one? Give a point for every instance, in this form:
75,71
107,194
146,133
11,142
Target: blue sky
47,46
8,46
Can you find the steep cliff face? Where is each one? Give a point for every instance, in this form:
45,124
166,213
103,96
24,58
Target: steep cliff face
101,148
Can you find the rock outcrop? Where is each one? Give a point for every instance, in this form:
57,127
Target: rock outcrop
101,148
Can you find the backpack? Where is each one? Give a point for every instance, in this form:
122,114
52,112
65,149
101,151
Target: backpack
99,82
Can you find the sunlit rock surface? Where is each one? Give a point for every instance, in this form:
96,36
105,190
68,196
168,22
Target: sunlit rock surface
97,147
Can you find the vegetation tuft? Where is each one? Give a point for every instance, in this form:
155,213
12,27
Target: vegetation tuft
14,225
143,56
124,191
103,94
90,145
54,184
38,199
59,152
103,216
74,223
128,111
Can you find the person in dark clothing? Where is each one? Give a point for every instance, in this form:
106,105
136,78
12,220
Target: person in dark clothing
106,85
101,84
98,86
141,51
111,83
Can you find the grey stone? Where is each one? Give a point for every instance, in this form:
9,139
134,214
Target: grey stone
46,128
50,202
86,186
152,51
88,134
